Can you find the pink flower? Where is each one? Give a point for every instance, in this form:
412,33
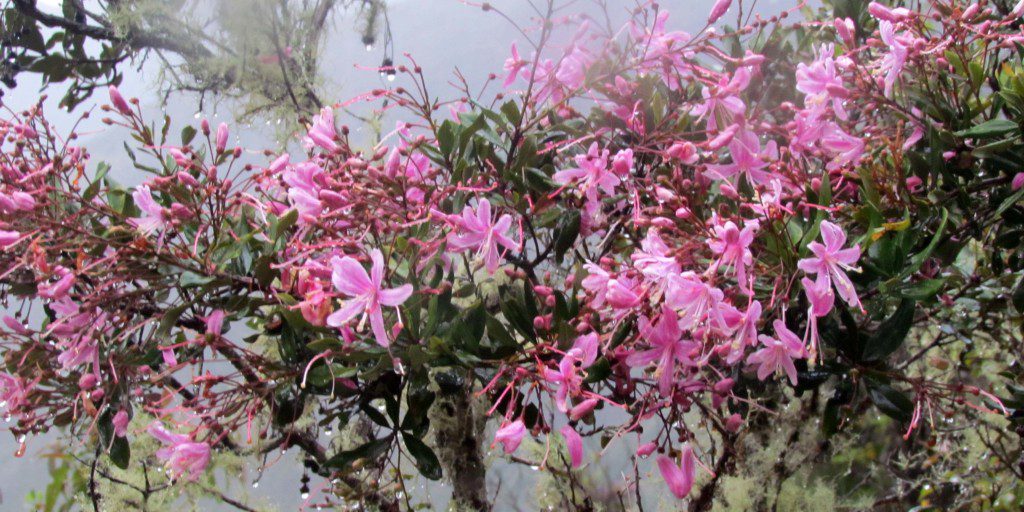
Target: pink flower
477,230
745,335
154,218
513,65
893,62
322,132
181,455
821,82
510,435
819,295
596,284
831,261
303,180
747,158
667,348
592,173
574,443
13,392
778,353
695,300
569,375
679,478
366,292
733,247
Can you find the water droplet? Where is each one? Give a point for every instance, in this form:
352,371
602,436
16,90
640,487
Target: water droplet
369,47
305,495
21,451
391,77
255,485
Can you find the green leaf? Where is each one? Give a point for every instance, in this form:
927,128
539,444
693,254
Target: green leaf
890,401
187,134
891,333
120,452
568,231
370,451
990,128
425,459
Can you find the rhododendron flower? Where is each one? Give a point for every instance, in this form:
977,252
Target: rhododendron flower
181,455
322,132
477,230
695,300
513,65
831,261
747,158
819,295
655,258
154,218
367,294
510,435
892,64
732,245
667,348
574,443
12,391
778,353
592,174
596,284
820,80
569,375
722,99
679,478
744,331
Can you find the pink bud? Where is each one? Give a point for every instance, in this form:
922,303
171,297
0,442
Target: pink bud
1018,181
845,29
119,103
683,151
646,449
718,10
884,13
120,422
204,125
724,385
583,409
187,179
222,137
734,423
87,381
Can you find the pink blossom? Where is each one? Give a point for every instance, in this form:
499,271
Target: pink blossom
13,391
181,455
744,331
513,65
477,230
574,443
154,216
582,409
732,245
510,435
592,174
679,478
820,80
778,353
892,63
695,300
747,158
322,132
831,261
667,348
819,295
367,294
